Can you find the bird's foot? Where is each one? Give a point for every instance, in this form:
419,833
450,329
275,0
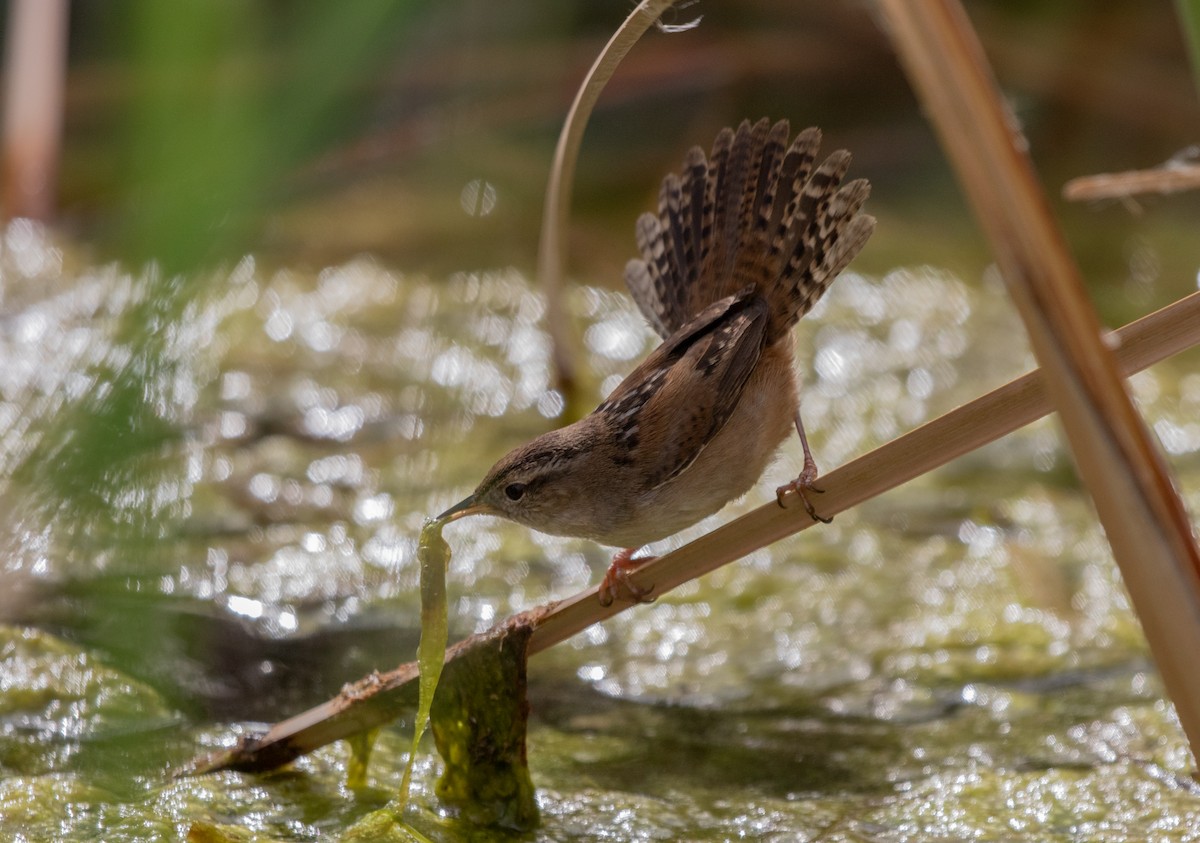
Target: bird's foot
801,486
617,578
807,480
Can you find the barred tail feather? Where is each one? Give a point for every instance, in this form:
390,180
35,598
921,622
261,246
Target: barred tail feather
755,212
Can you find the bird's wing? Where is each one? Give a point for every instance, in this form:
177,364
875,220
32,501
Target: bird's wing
672,405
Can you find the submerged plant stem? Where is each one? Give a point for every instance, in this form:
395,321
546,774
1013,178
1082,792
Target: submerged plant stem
361,745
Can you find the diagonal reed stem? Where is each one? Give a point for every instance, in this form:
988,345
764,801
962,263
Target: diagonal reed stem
1014,405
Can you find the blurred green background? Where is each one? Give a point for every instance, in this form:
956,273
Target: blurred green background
212,128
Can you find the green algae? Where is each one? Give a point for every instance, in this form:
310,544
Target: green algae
479,725
360,757
479,719
433,553
383,826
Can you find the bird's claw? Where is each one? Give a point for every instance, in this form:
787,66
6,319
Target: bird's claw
617,579
801,486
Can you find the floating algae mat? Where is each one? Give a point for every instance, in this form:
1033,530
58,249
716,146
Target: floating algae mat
888,676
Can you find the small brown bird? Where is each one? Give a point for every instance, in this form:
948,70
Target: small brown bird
742,246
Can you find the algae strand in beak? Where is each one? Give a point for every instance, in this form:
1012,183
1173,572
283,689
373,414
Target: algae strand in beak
433,554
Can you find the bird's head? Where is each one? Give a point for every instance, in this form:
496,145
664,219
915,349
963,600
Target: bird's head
543,484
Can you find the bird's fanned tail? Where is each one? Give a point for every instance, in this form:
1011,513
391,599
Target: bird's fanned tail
753,213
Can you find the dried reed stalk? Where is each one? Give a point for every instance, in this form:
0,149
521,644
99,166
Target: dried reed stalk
380,698
35,68
1143,517
551,248
1166,179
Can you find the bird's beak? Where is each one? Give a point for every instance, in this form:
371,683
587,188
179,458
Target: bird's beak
468,506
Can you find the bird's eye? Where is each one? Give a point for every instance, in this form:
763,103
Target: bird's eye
514,491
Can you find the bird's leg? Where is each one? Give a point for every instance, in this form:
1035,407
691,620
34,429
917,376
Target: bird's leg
617,577
808,477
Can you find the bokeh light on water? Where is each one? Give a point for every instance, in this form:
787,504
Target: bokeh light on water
955,659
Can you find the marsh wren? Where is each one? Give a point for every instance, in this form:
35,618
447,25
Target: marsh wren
744,243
